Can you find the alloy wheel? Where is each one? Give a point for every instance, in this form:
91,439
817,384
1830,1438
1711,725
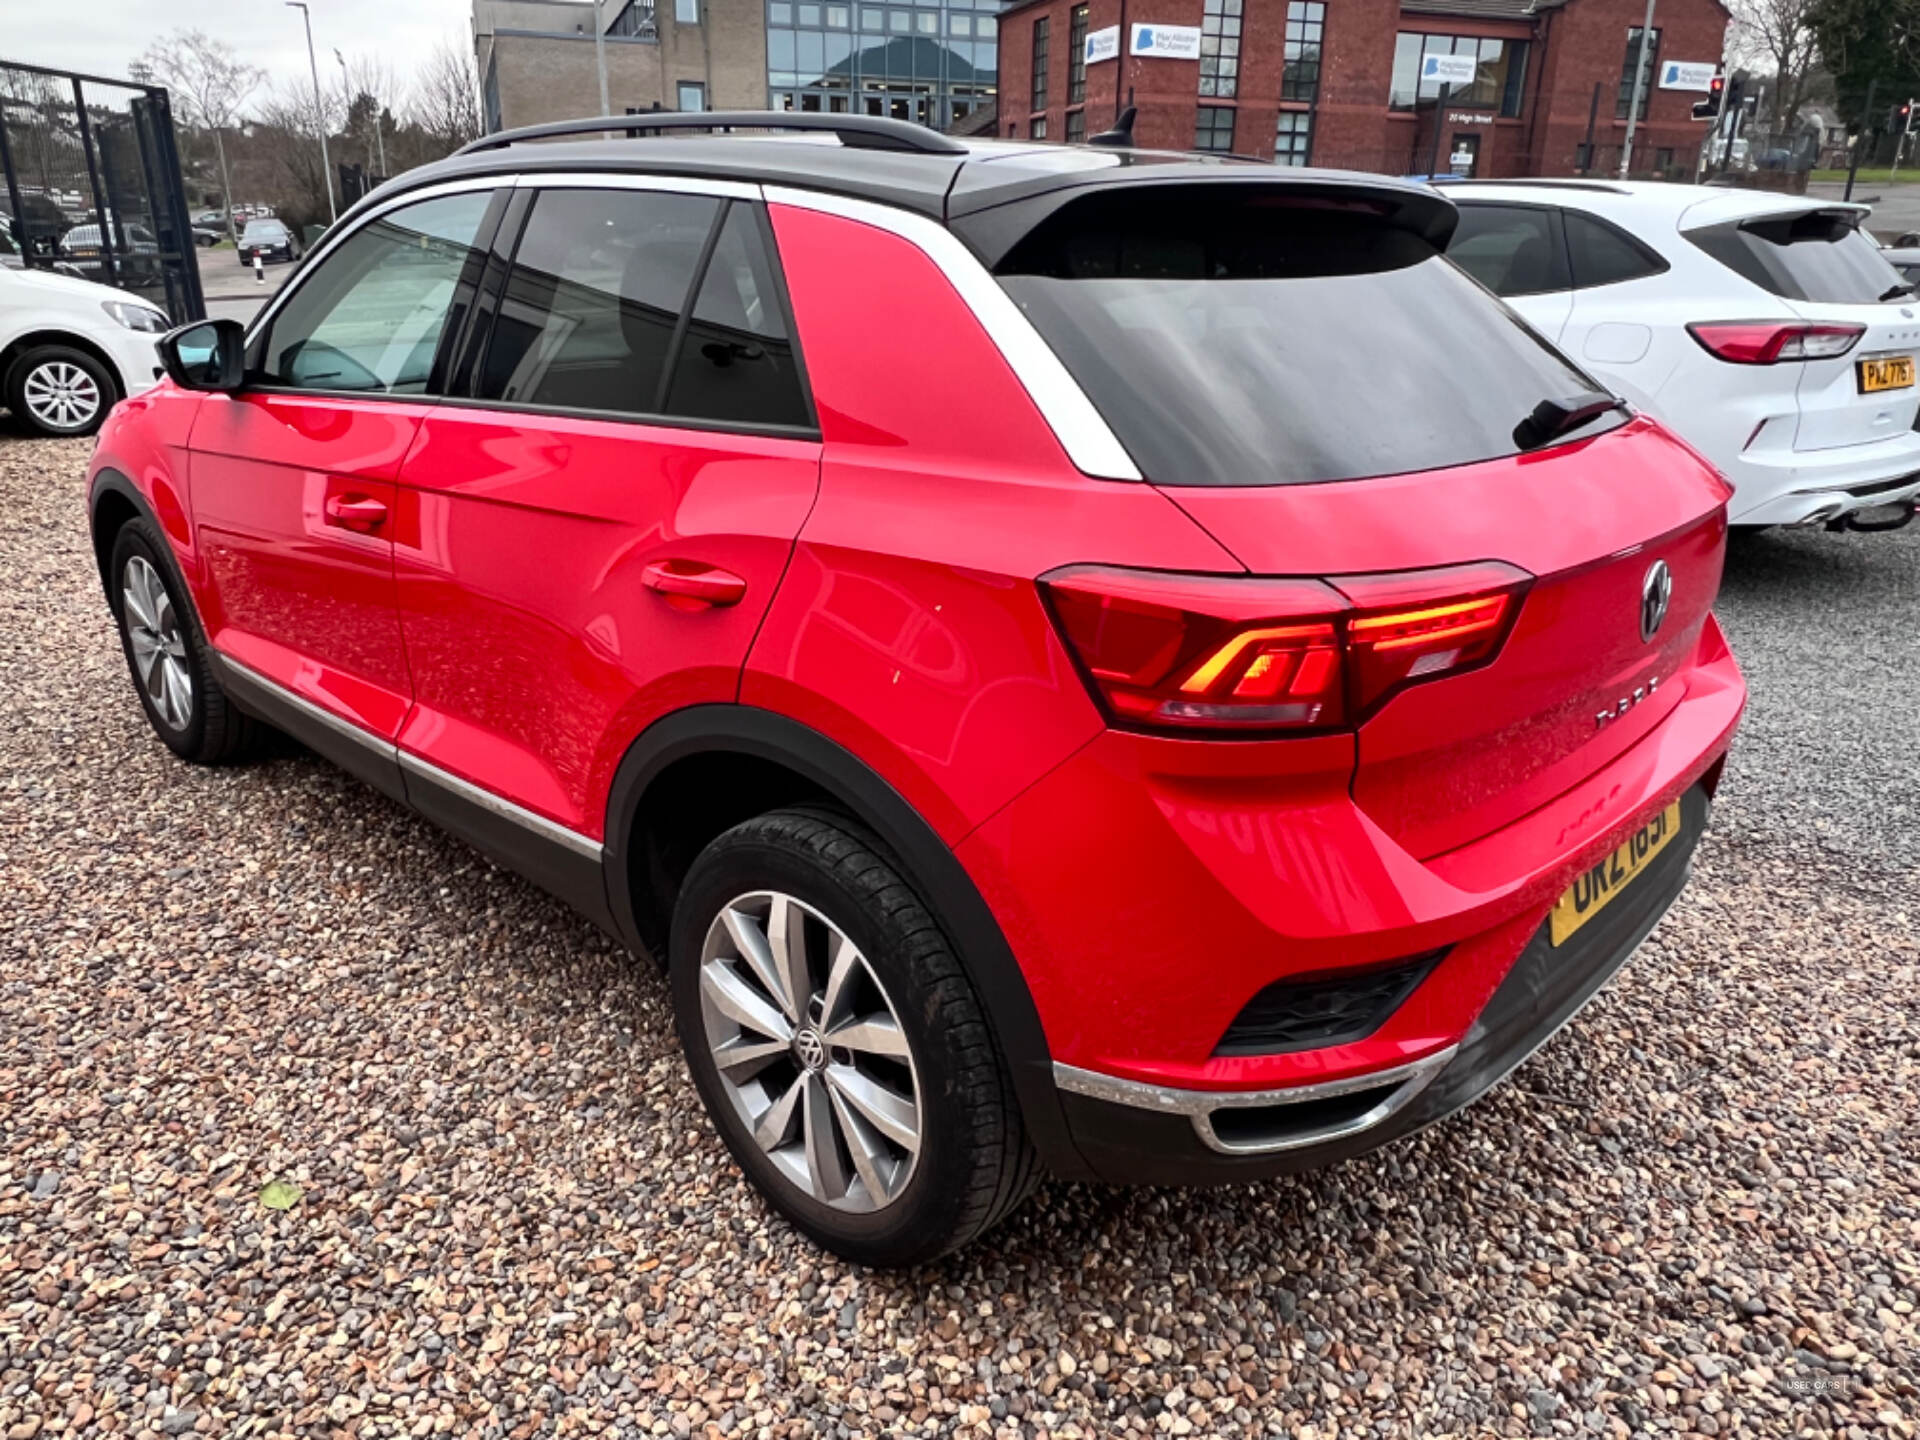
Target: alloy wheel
61,395
154,636
810,1052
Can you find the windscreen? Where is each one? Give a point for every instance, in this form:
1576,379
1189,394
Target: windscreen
1253,338
1815,256
264,231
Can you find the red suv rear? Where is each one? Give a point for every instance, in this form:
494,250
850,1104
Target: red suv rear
1077,661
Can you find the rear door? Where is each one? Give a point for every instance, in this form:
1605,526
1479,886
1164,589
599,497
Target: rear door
1828,272
589,531
292,478
1517,252
1621,324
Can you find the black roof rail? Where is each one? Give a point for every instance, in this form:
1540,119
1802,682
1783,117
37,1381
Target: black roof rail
856,132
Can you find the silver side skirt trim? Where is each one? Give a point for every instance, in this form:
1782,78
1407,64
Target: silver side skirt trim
1200,1105
414,766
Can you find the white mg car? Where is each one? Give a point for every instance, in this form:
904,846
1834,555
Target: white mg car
1768,330
70,348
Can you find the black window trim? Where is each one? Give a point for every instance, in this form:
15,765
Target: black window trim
1659,264
498,240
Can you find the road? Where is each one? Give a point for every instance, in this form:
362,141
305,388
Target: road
1896,208
230,289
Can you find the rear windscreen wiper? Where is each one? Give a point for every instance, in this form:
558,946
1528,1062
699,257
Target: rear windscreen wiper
1553,418
1896,292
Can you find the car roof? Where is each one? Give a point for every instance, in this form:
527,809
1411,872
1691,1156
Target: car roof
1687,207
958,178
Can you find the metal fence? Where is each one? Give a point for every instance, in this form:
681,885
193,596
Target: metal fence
92,185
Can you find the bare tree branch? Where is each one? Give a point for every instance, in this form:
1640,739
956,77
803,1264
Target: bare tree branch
210,85
446,96
1779,36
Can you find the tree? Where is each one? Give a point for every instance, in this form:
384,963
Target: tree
1780,34
210,84
1873,48
446,97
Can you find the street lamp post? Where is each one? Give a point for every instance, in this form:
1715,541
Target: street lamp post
600,55
319,111
1639,89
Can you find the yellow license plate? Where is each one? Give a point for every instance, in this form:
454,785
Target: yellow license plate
1595,890
1885,372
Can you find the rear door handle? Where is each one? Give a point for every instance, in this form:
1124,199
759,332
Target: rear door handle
692,584
355,512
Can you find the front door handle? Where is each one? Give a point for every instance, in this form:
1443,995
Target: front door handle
356,512
689,585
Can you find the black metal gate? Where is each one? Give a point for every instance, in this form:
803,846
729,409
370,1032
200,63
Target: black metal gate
92,185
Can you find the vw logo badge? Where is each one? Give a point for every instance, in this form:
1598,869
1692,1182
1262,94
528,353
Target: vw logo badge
810,1050
1656,594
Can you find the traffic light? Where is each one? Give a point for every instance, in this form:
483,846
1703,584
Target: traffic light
1716,92
1902,114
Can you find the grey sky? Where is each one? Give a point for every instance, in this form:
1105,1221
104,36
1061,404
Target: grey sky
102,37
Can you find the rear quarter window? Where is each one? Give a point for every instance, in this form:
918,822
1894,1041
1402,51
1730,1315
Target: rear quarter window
1816,256
1236,335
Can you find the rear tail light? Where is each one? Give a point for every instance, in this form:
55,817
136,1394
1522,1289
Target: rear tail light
1765,342
1200,652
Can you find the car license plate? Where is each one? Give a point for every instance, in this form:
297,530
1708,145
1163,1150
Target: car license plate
1596,889
1885,372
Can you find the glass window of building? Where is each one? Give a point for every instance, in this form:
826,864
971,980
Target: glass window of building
1220,48
692,95
1076,127
1300,79
1040,61
686,12
1630,62
1213,128
635,21
779,13
1293,138
1498,79
1077,60
1040,128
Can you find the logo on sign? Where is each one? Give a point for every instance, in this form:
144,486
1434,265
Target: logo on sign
1167,42
1449,69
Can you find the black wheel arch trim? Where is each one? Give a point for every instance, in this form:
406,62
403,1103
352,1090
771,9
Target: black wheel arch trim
112,481
930,863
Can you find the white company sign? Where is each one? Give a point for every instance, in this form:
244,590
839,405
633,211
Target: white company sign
1167,42
1103,44
1688,75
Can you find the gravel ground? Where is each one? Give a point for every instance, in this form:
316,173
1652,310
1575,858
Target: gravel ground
1694,1213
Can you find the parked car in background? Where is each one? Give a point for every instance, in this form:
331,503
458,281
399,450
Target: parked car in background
70,348
207,236
82,242
268,239
1243,751
1765,329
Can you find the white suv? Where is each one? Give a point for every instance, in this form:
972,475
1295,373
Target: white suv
1766,329
70,348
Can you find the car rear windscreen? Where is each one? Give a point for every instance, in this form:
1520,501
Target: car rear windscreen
1815,256
1256,338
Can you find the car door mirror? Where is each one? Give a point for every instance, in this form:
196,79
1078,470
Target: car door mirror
208,355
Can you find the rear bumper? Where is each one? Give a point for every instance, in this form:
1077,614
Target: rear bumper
1137,1134
1811,487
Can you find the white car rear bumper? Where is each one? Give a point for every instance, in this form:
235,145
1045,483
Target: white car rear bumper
1807,487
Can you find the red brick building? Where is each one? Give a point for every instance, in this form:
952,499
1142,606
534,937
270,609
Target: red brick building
1337,82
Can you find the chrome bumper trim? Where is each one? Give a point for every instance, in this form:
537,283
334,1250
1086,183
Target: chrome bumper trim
1199,1106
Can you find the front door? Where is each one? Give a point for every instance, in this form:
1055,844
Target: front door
588,539
292,477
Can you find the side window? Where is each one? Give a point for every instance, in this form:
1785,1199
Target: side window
1603,255
594,299
1510,249
370,317
736,363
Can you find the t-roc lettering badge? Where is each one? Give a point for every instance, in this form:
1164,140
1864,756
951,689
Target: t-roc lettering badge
1626,702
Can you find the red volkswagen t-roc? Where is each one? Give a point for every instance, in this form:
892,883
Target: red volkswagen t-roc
1077,660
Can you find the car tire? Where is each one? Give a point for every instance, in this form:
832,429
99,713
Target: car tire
168,655
892,1135
60,390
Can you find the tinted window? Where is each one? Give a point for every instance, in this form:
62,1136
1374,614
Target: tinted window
1254,340
1603,255
736,362
371,316
597,288
1510,249
1811,256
